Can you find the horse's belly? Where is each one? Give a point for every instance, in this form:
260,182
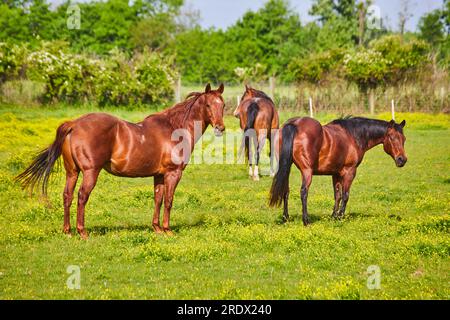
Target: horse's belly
329,163
133,164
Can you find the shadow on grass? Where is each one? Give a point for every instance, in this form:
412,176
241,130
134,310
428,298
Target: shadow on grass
102,230
357,215
298,217
315,218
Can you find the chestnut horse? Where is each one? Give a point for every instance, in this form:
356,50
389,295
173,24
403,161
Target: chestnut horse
335,149
99,141
257,117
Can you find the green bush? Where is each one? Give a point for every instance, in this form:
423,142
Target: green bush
115,80
316,67
11,61
403,58
367,68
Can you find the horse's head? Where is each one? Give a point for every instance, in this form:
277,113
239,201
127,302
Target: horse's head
394,142
248,93
215,108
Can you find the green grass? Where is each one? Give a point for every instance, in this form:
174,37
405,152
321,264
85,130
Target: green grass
229,244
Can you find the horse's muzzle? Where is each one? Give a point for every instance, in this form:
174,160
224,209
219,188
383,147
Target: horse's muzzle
218,131
400,161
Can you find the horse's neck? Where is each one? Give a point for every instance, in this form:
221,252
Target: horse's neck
195,122
374,142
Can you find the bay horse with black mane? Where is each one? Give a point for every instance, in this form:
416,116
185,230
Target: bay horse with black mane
99,141
257,117
335,149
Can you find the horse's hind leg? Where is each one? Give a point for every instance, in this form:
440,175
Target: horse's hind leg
72,172
89,180
261,134
71,181
307,179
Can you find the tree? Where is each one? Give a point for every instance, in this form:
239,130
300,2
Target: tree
404,15
339,23
13,24
431,27
155,32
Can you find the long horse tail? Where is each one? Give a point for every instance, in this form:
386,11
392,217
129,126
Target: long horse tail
280,183
252,112
38,173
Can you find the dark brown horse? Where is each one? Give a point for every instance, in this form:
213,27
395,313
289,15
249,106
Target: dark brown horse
99,141
257,117
335,149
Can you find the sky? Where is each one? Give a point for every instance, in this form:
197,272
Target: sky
223,13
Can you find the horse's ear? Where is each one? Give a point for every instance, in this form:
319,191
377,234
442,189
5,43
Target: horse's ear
402,124
247,87
221,88
208,88
391,124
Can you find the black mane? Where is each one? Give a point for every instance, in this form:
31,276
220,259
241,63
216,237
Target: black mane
259,94
363,129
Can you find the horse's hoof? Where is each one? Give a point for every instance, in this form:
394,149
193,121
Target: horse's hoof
306,222
255,178
157,229
169,232
67,232
83,235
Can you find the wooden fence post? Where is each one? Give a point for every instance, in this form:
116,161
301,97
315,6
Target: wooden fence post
272,87
178,90
393,109
311,114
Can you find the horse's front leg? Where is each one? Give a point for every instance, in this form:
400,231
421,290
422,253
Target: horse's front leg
347,180
337,187
158,190
171,180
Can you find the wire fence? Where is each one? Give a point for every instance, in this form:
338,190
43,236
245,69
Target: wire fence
341,97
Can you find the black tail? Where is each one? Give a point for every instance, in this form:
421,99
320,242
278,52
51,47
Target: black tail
280,183
252,112
38,173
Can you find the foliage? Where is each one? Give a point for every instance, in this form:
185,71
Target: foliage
404,58
117,80
12,61
316,67
367,68
270,41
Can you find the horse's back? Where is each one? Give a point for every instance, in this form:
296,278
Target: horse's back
267,117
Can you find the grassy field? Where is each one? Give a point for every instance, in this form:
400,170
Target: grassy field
229,244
